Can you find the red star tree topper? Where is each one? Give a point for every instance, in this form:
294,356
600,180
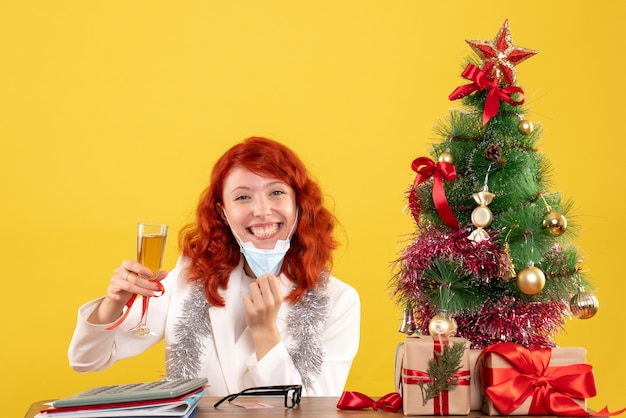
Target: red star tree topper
500,56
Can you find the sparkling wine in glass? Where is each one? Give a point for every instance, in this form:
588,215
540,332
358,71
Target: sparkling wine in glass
150,247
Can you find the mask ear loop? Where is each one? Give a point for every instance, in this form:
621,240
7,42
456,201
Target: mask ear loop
295,222
239,240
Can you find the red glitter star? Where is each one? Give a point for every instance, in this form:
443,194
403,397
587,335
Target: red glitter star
500,56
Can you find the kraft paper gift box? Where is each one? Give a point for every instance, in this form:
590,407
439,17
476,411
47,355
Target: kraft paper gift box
497,369
412,359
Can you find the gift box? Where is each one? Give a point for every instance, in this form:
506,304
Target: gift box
419,388
519,381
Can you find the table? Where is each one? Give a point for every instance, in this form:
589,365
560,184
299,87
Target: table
310,407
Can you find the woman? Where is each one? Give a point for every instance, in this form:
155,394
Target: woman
272,317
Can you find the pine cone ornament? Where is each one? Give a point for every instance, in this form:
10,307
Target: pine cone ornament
493,152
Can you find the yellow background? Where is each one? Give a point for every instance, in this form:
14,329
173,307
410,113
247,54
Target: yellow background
113,112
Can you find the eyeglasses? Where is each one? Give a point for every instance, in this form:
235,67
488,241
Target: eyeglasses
292,394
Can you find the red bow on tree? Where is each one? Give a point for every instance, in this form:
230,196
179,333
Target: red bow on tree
481,81
427,168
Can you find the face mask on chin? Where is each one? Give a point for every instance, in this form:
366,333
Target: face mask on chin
263,261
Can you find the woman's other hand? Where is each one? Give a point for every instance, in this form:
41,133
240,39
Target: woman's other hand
262,306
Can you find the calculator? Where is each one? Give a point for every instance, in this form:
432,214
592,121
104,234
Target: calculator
133,392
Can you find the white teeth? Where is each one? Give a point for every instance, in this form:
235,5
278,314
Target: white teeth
264,231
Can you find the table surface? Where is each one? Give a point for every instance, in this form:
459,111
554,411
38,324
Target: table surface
314,407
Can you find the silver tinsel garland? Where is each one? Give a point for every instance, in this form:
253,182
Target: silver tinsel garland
305,323
194,325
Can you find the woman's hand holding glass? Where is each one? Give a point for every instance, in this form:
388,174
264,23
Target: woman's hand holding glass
131,278
128,281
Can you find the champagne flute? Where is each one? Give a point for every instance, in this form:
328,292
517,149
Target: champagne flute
150,248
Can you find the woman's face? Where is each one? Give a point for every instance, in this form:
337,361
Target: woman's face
258,209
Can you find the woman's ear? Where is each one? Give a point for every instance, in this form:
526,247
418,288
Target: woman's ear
222,213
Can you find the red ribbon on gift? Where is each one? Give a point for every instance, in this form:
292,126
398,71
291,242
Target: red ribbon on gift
392,402
413,377
481,81
427,168
440,406
552,388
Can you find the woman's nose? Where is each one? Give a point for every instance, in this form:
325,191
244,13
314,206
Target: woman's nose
262,207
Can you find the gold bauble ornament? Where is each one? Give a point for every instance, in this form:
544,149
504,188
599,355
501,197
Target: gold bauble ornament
531,280
442,324
446,157
555,222
584,305
525,127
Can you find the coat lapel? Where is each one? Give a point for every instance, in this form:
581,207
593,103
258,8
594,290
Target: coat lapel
222,320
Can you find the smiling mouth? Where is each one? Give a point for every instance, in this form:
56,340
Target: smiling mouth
264,231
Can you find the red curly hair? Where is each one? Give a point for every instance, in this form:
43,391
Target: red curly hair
212,248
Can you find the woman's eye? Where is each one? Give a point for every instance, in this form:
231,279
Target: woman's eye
277,193
242,197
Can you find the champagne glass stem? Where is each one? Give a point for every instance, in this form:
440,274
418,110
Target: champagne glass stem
142,329
144,313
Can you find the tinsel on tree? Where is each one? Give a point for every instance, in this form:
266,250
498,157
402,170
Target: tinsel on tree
492,258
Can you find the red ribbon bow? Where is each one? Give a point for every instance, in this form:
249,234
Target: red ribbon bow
392,402
552,388
425,169
481,81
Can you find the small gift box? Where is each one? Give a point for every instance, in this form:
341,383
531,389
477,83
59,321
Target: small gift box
433,375
519,381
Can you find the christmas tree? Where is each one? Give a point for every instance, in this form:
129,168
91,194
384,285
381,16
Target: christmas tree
492,258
